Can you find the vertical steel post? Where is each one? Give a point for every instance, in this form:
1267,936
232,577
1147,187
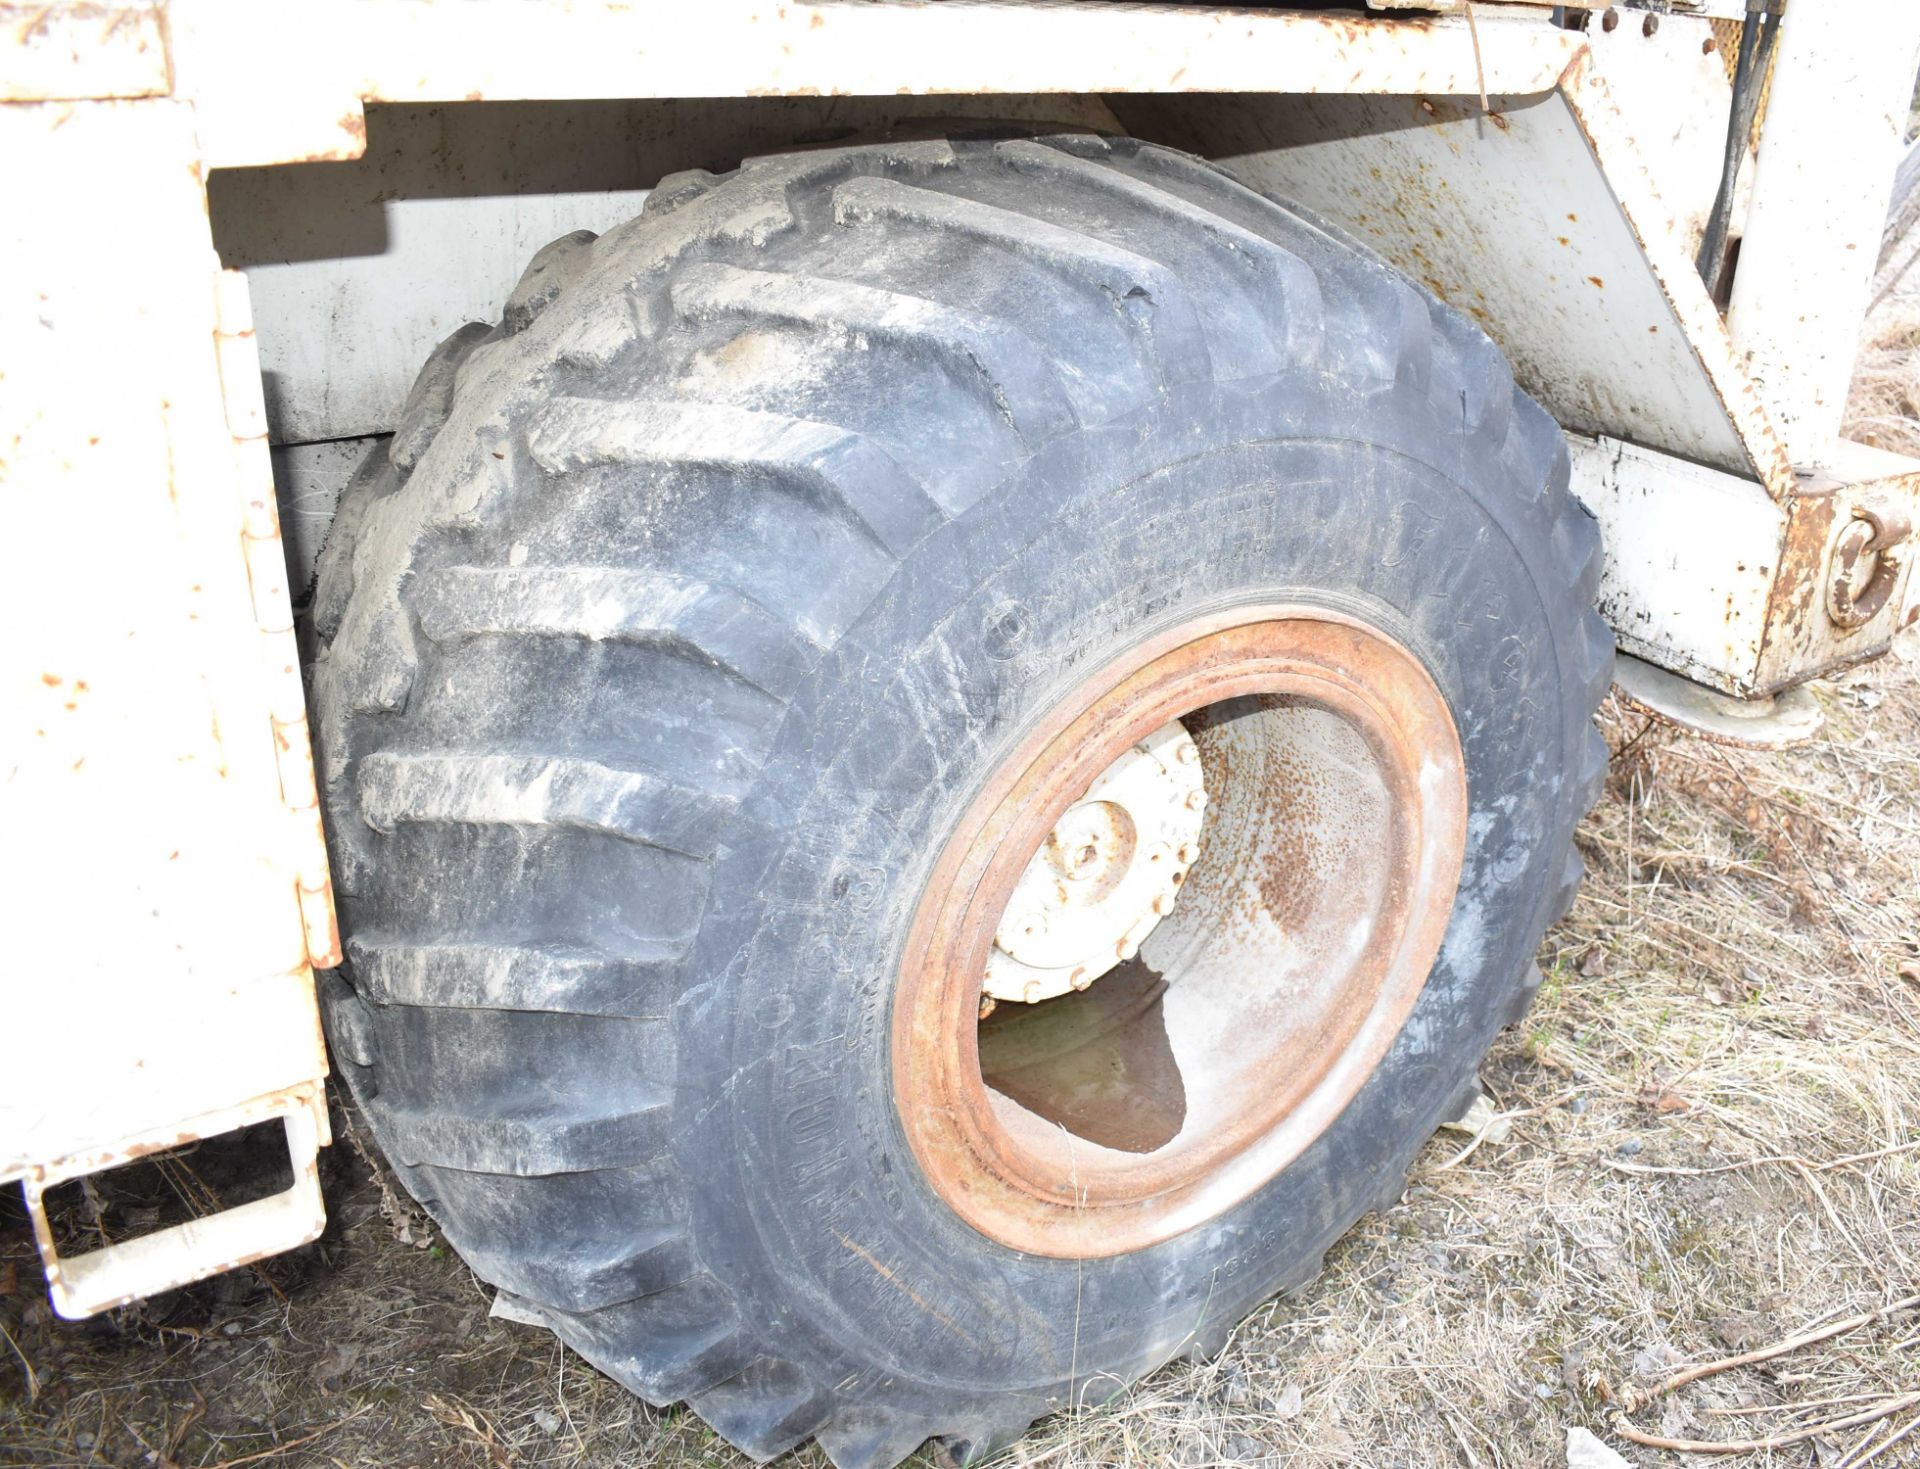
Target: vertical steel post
1842,83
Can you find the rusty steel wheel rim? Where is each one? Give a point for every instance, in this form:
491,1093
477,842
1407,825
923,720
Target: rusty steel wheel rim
1102,1122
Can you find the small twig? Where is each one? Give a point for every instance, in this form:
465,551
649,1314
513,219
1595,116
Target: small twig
1912,1424
1796,1409
1494,1119
1801,1166
292,1443
1789,1158
177,1433
1633,744
1755,1445
1446,1416
1833,1217
1873,1431
1479,71
1473,1459
33,1378
1764,1354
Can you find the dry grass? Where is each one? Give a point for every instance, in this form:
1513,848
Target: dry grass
1883,408
1714,1144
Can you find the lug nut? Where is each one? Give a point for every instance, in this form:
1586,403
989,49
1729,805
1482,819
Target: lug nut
986,1006
1081,979
1033,992
1186,752
1196,800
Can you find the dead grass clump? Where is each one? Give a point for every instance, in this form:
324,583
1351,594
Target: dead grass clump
1883,407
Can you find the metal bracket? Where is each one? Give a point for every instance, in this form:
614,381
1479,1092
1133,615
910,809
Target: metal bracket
85,1285
1863,568
1768,723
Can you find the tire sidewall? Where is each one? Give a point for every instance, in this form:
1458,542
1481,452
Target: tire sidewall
807,1199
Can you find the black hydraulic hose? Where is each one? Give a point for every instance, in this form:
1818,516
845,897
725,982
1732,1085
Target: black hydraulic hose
1749,75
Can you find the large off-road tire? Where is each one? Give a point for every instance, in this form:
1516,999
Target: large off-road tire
709,623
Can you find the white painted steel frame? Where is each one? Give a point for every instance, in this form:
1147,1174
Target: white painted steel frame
1565,219
163,879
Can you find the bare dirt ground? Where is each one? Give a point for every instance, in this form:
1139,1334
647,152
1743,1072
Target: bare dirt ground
1710,1146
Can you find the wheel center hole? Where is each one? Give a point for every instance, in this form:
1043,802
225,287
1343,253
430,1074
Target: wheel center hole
1242,984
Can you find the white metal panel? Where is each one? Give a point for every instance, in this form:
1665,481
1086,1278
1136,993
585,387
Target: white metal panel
1689,558
163,885
355,51
54,50
144,1265
1672,85
1835,120
1512,220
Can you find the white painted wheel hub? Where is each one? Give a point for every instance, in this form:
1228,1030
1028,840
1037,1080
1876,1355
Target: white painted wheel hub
1109,871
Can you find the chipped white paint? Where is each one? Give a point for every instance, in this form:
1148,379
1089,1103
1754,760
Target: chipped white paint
74,50
1690,556
165,886
504,49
